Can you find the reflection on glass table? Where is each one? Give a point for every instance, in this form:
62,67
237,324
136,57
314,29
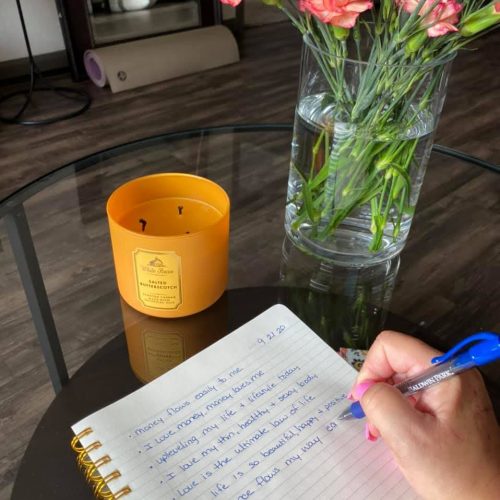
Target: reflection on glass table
360,296
156,345
57,235
55,251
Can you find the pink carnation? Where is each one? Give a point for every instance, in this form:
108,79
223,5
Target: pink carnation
232,3
440,20
342,13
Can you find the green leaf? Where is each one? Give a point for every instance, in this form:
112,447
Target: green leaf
409,210
308,202
404,175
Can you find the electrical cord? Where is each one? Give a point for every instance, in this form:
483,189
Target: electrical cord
39,84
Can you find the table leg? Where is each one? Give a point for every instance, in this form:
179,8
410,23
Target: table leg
31,277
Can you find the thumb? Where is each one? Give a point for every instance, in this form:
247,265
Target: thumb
393,415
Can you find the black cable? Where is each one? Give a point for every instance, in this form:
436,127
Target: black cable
37,77
444,150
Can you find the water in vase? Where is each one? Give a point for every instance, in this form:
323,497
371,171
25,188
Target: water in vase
352,190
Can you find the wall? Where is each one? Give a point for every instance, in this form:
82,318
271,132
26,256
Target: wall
42,24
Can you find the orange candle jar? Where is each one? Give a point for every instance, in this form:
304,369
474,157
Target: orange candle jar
170,236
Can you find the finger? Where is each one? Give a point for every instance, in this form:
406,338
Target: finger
396,353
458,397
372,433
393,416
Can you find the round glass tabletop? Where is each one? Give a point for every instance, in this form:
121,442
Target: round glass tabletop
148,347
56,256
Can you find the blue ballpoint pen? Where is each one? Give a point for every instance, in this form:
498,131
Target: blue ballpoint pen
486,350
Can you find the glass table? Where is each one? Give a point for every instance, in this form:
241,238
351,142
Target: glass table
56,257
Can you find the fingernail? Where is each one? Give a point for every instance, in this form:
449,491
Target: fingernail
368,435
361,388
350,396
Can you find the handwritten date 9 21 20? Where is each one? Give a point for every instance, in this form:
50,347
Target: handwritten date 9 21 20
272,334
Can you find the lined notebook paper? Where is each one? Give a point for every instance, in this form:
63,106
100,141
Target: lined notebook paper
252,416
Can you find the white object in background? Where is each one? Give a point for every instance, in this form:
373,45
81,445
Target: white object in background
127,5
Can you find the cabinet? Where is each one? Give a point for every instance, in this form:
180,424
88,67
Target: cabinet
88,24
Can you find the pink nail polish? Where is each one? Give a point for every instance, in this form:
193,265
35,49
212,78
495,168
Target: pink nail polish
361,388
368,435
350,396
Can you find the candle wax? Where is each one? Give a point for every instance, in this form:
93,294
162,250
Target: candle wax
170,217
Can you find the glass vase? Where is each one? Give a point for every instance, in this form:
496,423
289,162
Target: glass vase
362,138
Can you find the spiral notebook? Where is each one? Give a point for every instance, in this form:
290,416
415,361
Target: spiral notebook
252,416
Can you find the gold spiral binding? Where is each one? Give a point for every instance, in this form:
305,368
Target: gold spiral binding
98,483
124,491
76,439
83,458
91,471
101,488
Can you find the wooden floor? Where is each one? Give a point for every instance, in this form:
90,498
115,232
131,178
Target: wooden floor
262,89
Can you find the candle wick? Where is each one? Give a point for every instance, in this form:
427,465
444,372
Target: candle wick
180,209
143,223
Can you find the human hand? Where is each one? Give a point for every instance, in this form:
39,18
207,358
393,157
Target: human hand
445,439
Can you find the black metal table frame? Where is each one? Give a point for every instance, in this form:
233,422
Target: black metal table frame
24,251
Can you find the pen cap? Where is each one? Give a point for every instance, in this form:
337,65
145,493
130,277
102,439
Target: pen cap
486,351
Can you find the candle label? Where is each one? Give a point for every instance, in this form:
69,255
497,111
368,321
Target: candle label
163,351
158,279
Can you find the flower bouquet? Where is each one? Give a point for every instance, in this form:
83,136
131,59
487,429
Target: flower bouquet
372,86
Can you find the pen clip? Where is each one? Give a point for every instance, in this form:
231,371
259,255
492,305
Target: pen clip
487,350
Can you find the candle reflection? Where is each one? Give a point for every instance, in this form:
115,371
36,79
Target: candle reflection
156,345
